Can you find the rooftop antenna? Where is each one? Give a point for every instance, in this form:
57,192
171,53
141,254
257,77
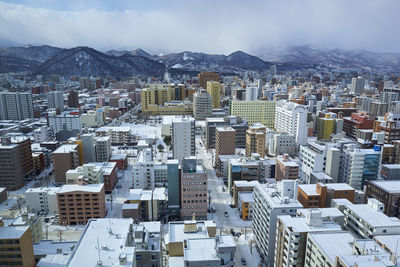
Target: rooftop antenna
99,262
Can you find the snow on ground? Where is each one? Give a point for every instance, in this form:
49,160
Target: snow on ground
243,251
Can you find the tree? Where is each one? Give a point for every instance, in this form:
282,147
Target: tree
160,148
167,140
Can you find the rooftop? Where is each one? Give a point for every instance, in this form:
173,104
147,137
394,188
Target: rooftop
177,233
92,188
391,186
333,243
12,232
68,148
300,224
246,196
372,217
104,240
201,250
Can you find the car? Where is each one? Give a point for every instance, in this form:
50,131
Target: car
226,214
243,260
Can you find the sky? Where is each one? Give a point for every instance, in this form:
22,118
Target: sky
211,26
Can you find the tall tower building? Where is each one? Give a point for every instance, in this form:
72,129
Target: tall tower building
224,143
183,137
204,77
214,89
73,99
292,118
89,148
202,105
255,140
15,106
103,148
55,100
357,85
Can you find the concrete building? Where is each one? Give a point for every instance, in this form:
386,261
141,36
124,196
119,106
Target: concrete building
16,246
42,199
151,204
286,168
204,77
89,147
291,236
119,135
92,118
103,148
193,186
121,243
12,175
143,171
202,105
255,111
328,126
379,108
183,138
174,193
55,100
15,106
237,123
77,204
387,192
359,166
245,205
203,246
65,158
271,201
43,134
320,195
243,169
357,121
255,140
85,174
368,220
121,160
65,121
73,99
291,118
357,85
33,221
214,89
282,143
225,144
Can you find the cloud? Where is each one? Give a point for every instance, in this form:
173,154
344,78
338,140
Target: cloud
209,26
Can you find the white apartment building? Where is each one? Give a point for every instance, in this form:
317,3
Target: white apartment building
357,85
119,135
282,143
292,118
202,105
15,106
183,137
103,148
368,220
55,100
251,92
43,134
65,121
42,199
93,118
292,235
270,201
147,173
85,174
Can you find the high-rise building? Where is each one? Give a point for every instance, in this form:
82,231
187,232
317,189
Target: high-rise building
173,187
255,140
286,168
12,173
103,148
202,105
89,148
193,190
291,236
271,201
55,100
379,108
16,246
292,118
16,106
252,93
73,99
65,158
235,122
272,70
214,89
77,204
183,137
224,143
358,166
255,111
357,85
65,121
204,77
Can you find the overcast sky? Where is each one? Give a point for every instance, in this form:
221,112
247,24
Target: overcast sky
212,26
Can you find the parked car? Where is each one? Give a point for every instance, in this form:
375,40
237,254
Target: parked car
243,260
226,214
